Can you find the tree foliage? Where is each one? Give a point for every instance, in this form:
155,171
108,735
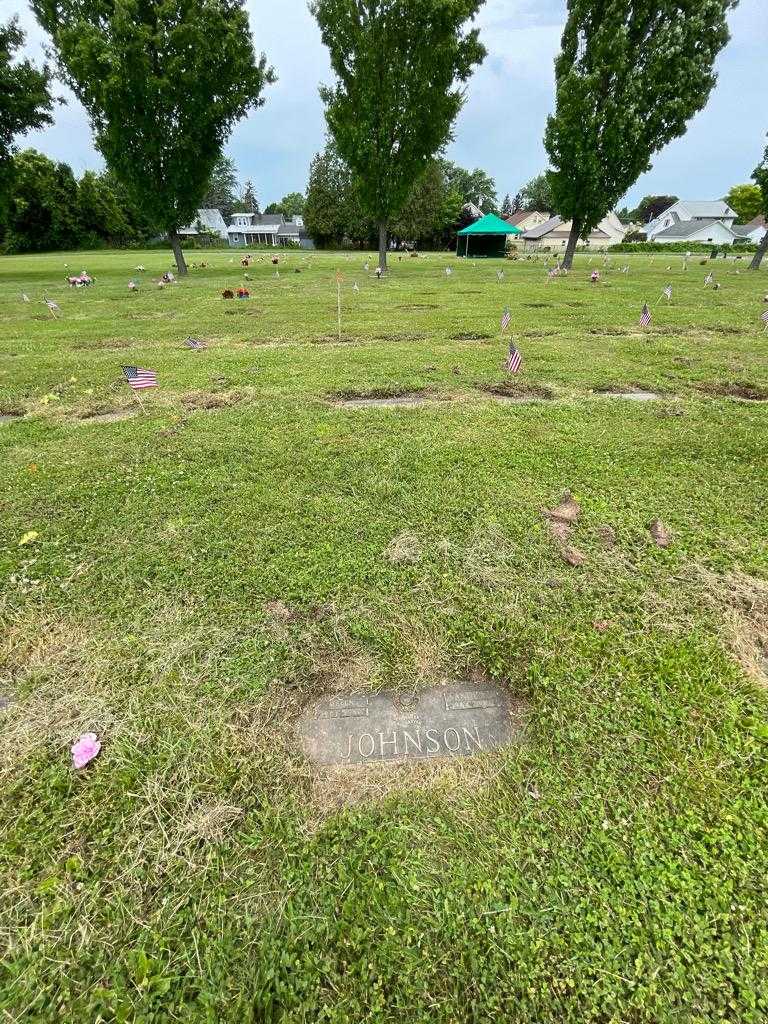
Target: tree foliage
760,177
630,75
333,214
222,187
746,200
163,83
651,207
475,186
248,201
48,209
25,98
537,195
399,65
291,205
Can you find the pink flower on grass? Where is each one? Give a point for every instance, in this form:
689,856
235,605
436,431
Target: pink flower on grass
85,749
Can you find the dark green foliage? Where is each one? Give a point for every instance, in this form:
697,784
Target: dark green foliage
47,209
537,195
630,75
760,176
291,205
163,84
25,100
222,187
248,201
333,214
651,207
431,211
471,186
399,65
506,207
746,200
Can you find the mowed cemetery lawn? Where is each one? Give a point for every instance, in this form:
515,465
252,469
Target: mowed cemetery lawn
206,568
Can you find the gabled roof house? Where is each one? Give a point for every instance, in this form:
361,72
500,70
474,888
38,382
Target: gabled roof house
554,233
693,220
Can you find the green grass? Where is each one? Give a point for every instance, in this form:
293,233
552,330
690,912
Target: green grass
610,868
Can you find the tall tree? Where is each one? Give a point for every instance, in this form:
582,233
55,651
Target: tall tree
291,205
249,201
537,195
430,210
746,200
760,176
399,65
163,83
222,187
630,75
506,206
476,186
651,207
25,101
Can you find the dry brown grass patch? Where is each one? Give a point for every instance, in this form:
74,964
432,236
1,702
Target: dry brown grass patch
203,400
740,602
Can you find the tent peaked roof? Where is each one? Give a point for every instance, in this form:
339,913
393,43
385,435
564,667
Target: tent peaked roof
490,224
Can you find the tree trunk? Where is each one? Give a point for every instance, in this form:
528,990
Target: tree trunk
383,246
570,249
757,259
181,263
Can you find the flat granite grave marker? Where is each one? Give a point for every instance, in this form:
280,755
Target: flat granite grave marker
455,720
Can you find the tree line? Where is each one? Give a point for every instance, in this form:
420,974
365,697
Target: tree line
164,84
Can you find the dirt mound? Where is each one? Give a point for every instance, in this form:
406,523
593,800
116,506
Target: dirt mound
211,399
738,389
516,391
471,336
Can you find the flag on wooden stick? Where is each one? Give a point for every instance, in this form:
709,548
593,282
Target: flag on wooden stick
139,378
645,316
505,319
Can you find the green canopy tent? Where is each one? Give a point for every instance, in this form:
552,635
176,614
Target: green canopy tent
486,237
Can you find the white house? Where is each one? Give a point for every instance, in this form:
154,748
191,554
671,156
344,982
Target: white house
693,221
753,231
716,232
267,229
555,232
206,221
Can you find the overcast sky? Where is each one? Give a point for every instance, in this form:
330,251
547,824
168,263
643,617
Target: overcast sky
501,126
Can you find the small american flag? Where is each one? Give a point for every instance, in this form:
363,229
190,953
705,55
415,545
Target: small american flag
506,317
667,293
708,279
764,318
355,287
24,297
52,306
448,271
499,276
645,316
138,378
514,359
195,343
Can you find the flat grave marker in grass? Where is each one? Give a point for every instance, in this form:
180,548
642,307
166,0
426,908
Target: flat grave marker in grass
456,720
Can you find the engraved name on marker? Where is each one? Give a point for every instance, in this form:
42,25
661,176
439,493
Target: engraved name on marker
455,720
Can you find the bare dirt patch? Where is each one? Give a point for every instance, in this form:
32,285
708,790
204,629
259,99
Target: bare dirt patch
380,398
207,400
538,305
10,412
617,331
738,389
515,391
334,339
420,305
404,336
109,415
109,344
631,392
471,336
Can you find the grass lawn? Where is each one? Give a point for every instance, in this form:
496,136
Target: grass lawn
205,569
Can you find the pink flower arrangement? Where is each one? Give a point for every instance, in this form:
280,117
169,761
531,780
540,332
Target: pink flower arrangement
85,749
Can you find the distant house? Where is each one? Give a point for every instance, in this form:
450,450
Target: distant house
207,222
753,231
555,232
525,220
692,221
702,229
267,229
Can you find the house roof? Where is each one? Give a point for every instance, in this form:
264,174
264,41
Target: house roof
742,230
521,215
716,208
490,224
686,228
756,222
209,218
544,229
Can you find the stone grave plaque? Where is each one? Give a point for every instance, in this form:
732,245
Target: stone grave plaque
455,720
